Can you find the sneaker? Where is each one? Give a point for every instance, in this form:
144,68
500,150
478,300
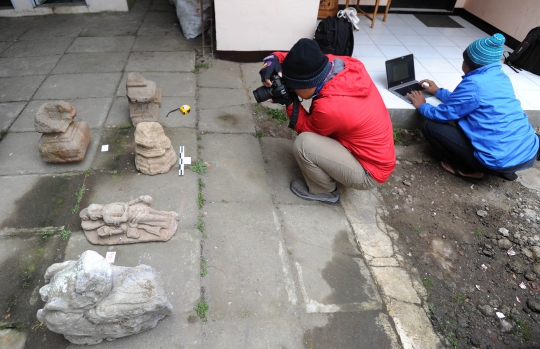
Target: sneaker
510,176
300,189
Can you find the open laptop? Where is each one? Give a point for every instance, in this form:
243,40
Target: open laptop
401,79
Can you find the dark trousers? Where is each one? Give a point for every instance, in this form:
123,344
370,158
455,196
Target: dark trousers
453,146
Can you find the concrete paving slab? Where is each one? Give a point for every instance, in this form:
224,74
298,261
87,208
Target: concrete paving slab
412,325
11,190
102,44
171,84
282,169
4,45
331,272
38,48
162,8
162,43
164,29
368,329
396,284
106,27
12,33
170,191
221,74
91,62
245,277
236,119
55,28
216,98
359,205
19,88
71,86
372,241
160,17
22,66
177,119
9,113
161,61
92,110
178,263
119,114
19,154
236,172
284,331
529,177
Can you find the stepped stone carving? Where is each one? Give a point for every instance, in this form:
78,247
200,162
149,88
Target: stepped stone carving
127,222
153,150
90,300
62,140
144,99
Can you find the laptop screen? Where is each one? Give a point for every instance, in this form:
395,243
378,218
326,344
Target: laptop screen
400,70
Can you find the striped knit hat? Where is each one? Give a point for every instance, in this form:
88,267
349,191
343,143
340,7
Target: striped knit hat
484,51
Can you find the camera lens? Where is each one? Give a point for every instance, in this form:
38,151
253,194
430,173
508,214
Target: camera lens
262,94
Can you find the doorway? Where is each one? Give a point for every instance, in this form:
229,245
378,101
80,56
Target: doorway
424,5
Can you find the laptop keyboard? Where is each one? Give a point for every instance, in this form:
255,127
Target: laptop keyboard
407,89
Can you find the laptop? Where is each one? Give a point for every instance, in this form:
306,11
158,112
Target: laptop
401,79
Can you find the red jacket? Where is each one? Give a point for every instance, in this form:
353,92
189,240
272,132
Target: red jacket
350,109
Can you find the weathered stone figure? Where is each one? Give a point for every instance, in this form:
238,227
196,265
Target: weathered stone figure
63,140
90,300
144,99
127,222
153,150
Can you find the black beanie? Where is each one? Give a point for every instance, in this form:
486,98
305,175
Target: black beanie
305,66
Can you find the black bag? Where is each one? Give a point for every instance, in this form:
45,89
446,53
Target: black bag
527,54
335,36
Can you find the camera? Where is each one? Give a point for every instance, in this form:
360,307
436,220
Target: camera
277,90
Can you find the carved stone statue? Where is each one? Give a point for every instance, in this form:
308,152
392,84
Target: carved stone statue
144,99
90,300
63,140
127,222
153,150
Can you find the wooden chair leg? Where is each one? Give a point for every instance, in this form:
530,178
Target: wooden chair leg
387,8
375,13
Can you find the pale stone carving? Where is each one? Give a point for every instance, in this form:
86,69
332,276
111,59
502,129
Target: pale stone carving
63,140
127,222
153,151
144,99
90,300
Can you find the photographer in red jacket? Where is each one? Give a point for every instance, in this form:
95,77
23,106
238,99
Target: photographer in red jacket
347,134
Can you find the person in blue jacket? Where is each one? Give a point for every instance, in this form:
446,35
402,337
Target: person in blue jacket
492,133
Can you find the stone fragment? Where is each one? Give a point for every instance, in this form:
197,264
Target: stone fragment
69,146
12,339
153,150
144,99
533,305
54,117
91,300
504,244
516,266
530,275
535,252
482,213
503,232
127,222
487,310
506,326
536,268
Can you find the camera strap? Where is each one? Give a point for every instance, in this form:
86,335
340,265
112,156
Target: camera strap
294,115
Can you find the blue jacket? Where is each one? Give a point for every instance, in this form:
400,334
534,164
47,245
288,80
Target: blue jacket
485,107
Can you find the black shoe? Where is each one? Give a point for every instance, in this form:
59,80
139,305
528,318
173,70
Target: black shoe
509,176
300,189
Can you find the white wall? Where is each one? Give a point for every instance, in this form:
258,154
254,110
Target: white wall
515,18
23,8
263,25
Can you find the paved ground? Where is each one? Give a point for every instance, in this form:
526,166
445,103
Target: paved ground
275,271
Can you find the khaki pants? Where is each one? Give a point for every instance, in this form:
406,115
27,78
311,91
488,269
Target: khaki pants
323,161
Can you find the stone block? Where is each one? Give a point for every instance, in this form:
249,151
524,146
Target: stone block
157,165
143,112
153,151
69,146
54,117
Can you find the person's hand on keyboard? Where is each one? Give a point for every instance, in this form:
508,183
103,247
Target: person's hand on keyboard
429,86
417,98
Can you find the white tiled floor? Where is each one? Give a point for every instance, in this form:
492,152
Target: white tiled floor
438,55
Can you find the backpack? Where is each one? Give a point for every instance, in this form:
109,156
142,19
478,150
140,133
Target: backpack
527,54
335,36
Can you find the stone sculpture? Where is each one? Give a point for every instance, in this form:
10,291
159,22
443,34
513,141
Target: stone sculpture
144,99
127,222
62,140
90,300
153,151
